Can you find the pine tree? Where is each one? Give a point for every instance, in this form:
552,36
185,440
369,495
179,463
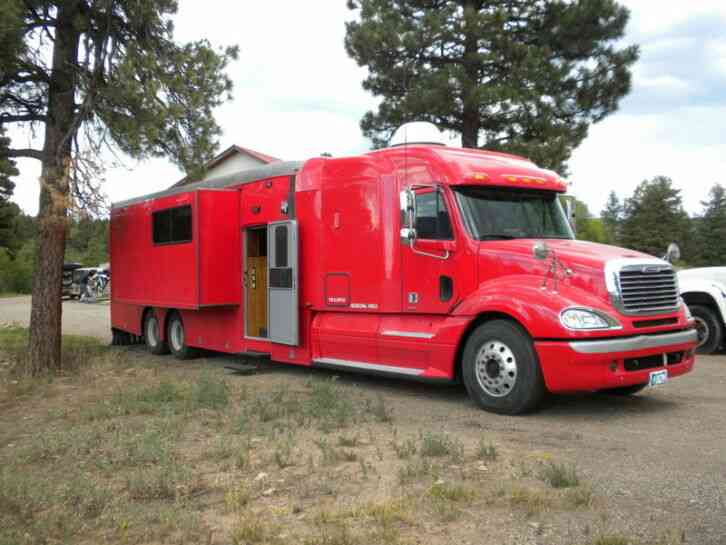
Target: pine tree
8,211
524,76
611,218
711,229
654,217
91,73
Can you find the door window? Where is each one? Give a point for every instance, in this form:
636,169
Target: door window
432,216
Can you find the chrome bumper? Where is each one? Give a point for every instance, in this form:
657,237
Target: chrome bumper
641,342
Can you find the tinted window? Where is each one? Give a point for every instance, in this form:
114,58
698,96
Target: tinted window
281,246
173,225
432,217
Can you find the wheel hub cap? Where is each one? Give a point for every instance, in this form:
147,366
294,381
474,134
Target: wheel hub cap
496,368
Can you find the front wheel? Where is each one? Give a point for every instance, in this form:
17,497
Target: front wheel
500,369
708,327
177,339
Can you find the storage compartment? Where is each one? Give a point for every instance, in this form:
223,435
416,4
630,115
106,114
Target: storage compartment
180,251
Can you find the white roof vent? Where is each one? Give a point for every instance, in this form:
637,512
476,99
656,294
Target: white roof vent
417,132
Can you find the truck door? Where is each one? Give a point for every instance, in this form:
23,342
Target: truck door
282,271
428,260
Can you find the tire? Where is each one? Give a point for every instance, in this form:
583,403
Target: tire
500,369
152,335
177,338
710,330
625,390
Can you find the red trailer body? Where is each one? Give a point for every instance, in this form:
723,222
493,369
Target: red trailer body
420,261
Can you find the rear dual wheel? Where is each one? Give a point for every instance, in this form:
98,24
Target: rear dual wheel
177,338
500,369
152,335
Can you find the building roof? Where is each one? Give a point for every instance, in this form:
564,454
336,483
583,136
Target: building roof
263,158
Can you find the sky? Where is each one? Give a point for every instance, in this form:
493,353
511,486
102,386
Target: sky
298,94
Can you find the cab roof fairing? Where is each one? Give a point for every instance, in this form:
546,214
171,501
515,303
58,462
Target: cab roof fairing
480,167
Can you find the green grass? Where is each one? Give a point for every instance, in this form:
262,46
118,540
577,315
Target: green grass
559,475
436,445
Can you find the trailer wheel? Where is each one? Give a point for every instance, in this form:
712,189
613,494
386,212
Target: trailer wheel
152,335
177,338
708,327
500,369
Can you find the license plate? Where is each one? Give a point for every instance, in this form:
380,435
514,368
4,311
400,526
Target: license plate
658,377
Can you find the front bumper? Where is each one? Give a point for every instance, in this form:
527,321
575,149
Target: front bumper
571,366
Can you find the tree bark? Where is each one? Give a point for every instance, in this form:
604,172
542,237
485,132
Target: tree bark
46,310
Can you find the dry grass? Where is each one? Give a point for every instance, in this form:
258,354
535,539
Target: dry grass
138,449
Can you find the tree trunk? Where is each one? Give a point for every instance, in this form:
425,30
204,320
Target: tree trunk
46,310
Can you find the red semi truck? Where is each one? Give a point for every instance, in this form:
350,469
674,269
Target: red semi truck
421,261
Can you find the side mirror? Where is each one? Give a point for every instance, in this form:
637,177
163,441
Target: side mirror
673,253
408,215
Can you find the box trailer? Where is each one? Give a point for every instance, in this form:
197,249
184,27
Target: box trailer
420,261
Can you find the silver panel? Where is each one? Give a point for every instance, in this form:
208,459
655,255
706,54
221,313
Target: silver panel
283,312
410,334
640,342
370,366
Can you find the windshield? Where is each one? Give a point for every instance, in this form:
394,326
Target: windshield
496,213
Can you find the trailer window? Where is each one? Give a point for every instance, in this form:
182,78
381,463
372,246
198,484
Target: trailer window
281,246
432,216
173,225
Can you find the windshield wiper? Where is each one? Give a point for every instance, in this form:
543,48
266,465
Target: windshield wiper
497,237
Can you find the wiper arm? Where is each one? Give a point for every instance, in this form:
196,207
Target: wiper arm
497,237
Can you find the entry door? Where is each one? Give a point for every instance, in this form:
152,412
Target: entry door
282,268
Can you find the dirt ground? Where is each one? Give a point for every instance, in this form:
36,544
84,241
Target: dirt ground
651,468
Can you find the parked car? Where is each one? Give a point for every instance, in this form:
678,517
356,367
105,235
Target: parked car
68,269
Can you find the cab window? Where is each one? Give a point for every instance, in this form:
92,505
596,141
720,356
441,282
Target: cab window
432,216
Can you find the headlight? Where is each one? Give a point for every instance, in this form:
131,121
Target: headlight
587,319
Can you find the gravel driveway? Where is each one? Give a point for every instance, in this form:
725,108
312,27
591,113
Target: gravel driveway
660,456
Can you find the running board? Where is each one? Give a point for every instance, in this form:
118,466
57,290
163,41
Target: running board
364,367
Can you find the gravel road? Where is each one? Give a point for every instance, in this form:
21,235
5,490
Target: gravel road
659,457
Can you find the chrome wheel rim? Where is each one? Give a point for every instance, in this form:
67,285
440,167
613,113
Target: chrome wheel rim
152,331
496,368
703,331
177,335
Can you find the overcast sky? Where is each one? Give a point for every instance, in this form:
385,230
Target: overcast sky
297,94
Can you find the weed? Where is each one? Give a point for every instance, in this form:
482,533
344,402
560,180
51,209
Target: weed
210,392
84,498
379,410
451,492
579,497
559,475
406,449
237,497
162,482
487,451
350,442
284,452
611,540
416,470
435,445
249,530
532,501
329,405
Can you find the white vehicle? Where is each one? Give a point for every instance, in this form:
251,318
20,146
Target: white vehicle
704,291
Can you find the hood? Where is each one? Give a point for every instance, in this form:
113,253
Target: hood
585,260
710,274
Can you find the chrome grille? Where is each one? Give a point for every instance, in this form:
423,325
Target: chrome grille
648,289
